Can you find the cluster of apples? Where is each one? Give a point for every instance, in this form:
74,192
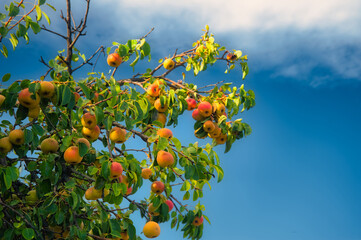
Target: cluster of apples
31,102
208,114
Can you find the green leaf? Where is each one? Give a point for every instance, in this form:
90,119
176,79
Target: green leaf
131,232
6,77
85,90
32,166
4,51
162,143
21,30
66,96
117,188
115,228
28,233
13,10
177,143
105,172
99,114
47,18
38,13
186,196
36,28
146,49
83,149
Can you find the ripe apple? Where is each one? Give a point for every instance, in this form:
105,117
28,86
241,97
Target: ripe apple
192,103
216,133
146,173
124,179
5,145
196,115
231,56
164,159
76,96
152,210
165,132
221,139
168,64
71,155
129,191
153,90
93,194
197,221
89,120
205,109
49,145
47,89
157,187
170,204
160,108
34,112
117,135
209,126
114,60
83,140
2,99
116,170
31,198
219,108
151,229
161,117
16,137
26,100
91,134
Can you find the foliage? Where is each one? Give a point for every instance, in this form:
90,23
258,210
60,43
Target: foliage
57,208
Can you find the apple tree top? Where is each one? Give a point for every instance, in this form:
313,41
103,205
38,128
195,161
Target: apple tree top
66,168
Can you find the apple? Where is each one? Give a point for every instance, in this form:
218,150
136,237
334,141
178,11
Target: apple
231,56
5,145
2,99
165,132
34,112
216,133
47,89
26,100
49,145
157,187
76,96
71,155
197,221
151,229
219,108
196,115
205,109
83,140
153,90
114,60
93,194
168,64
170,204
192,103
161,117
116,170
129,191
221,139
164,159
160,108
146,173
16,137
152,210
89,120
117,135
91,134
209,126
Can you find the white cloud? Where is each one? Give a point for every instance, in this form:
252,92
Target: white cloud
260,15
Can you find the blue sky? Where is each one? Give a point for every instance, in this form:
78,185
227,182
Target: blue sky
298,175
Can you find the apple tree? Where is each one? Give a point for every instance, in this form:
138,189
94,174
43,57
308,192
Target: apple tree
66,168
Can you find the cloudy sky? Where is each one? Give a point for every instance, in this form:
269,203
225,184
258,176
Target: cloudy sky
298,175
